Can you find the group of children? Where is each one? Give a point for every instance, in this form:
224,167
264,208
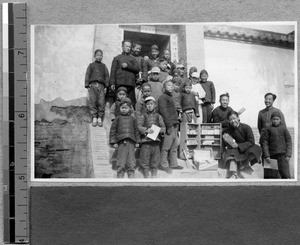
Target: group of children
152,91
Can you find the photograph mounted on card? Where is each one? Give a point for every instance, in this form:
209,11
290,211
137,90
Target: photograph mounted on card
168,102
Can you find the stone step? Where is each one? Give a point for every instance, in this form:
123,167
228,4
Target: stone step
100,153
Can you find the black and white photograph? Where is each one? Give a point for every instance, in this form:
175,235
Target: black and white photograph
183,102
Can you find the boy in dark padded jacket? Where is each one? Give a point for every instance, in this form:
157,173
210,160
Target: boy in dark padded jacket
124,136
167,110
277,144
96,81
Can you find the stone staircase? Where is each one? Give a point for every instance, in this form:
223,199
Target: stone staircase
100,153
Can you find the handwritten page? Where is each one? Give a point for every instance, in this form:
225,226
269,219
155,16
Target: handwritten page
155,133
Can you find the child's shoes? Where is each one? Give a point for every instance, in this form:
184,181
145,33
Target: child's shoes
94,123
100,123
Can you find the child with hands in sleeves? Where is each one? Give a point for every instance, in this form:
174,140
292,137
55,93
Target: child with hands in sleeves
96,81
167,110
124,136
277,144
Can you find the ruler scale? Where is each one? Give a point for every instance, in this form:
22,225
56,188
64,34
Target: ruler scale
15,125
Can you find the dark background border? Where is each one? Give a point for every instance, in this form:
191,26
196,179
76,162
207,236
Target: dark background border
201,214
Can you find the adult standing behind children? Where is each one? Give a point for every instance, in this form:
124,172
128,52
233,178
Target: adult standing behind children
124,69
210,96
97,81
136,53
264,115
150,61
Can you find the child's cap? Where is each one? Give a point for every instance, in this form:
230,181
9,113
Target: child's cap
187,83
145,85
127,101
121,89
195,75
276,114
154,47
193,69
203,72
155,69
176,71
176,80
179,66
149,98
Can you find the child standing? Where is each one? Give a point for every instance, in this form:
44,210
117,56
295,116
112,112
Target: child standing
124,136
277,144
199,93
140,106
164,75
176,96
156,85
188,102
115,108
189,107
96,81
166,108
150,149
210,96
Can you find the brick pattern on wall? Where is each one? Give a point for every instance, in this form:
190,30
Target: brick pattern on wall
195,46
108,38
182,45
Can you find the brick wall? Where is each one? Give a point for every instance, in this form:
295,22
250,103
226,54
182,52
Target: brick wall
182,45
108,38
195,46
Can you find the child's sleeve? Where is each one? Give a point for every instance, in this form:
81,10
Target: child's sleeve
288,141
113,112
113,132
138,108
265,144
106,77
87,76
140,122
161,125
213,93
136,131
113,71
163,111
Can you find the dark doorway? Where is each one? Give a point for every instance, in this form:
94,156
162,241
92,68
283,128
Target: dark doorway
147,40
